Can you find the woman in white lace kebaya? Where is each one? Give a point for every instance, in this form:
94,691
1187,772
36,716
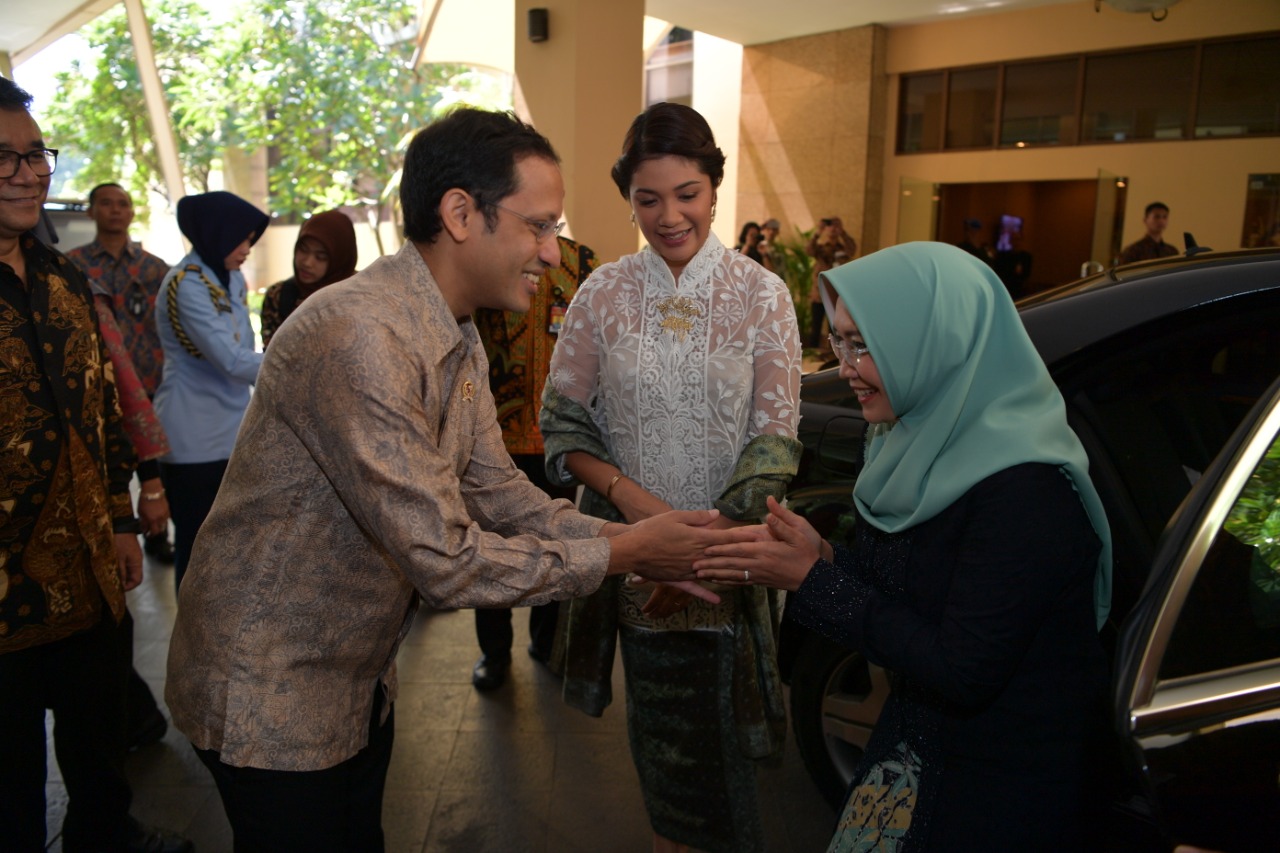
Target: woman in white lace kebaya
675,384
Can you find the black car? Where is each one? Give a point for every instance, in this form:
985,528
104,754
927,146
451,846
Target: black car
1169,372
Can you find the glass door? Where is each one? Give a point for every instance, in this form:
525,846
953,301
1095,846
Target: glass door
1108,222
917,210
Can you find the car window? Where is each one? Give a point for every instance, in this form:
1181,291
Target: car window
1161,400
1231,616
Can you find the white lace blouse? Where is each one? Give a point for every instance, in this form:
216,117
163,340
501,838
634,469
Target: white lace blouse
678,378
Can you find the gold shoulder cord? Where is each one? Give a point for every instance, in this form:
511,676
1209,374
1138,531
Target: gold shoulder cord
171,307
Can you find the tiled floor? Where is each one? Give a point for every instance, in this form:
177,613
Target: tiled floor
514,770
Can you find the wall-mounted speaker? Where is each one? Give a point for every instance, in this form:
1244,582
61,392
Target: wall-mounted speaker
538,25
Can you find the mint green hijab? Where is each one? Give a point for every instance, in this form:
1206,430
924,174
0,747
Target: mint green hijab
970,391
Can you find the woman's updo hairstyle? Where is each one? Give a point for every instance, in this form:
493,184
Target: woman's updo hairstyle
663,130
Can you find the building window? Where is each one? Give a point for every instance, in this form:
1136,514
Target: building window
1203,90
1040,103
1239,89
1138,95
971,108
668,72
920,116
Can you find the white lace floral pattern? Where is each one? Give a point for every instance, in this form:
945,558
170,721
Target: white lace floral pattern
679,377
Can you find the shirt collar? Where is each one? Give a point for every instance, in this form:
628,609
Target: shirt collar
132,249
444,334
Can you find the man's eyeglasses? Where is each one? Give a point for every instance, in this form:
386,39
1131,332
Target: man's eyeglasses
847,352
42,161
545,229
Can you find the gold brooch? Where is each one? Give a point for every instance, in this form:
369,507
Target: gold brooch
678,314
468,391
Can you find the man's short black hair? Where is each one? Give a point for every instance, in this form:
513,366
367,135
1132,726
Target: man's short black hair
469,149
1155,205
93,193
13,97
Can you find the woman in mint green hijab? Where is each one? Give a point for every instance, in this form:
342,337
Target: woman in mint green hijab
981,569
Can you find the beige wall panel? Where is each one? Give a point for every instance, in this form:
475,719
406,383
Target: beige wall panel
581,88
807,117
758,126
756,68
802,62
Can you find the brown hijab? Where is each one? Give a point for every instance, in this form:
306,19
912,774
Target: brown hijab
333,230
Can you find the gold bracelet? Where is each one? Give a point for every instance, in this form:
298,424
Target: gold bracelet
612,483
153,496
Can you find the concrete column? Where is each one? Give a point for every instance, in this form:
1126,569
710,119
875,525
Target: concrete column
6,65
157,104
717,94
581,88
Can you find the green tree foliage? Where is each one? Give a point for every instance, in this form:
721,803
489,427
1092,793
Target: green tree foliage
1255,518
324,85
100,115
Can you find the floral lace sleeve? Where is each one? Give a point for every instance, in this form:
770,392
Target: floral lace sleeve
777,362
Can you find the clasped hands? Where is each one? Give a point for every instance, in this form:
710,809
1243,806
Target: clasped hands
680,548
778,553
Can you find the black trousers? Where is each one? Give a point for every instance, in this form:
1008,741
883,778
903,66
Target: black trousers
82,679
191,489
493,630
336,810
493,624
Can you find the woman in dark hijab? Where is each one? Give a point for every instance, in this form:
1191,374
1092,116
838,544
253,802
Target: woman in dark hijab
210,360
325,253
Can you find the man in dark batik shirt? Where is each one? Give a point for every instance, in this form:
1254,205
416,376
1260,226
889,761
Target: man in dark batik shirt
68,544
519,347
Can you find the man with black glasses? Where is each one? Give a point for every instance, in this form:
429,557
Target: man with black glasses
68,544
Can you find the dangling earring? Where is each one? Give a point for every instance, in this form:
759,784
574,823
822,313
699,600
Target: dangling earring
633,219
713,211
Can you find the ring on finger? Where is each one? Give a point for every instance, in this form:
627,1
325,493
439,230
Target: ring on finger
746,576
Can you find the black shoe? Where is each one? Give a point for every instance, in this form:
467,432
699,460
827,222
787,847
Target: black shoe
490,673
159,549
541,656
148,731
148,839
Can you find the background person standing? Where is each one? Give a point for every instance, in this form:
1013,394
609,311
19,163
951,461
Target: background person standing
210,356
324,253
129,277
830,241
1151,246
770,252
675,385
519,347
